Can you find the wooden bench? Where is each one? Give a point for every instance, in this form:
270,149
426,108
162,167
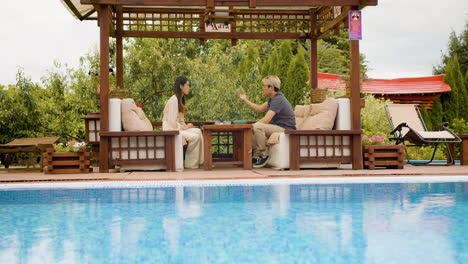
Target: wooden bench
141,147
320,146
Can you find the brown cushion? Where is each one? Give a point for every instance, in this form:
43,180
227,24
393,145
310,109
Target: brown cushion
302,111
317,116
133,118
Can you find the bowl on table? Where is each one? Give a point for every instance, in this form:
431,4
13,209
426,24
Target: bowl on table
240,122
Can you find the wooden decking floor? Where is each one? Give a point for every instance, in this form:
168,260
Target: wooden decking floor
23,175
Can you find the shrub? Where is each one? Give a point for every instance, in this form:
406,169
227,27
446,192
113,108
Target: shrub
70,146
374,118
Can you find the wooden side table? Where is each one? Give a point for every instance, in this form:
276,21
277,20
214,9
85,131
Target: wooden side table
29,145
463,150
241,145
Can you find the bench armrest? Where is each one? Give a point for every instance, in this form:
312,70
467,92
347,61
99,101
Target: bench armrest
324,132
139,133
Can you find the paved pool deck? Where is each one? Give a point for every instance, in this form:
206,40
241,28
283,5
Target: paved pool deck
23,175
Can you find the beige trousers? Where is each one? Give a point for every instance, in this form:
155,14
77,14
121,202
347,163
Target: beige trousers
194,154
261,132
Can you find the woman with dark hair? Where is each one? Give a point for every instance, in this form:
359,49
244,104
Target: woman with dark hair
173,119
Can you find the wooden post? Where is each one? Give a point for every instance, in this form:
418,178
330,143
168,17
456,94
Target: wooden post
464,149
313,52
355,102
294,152
169,143
119,47
247,148
208,164
104,82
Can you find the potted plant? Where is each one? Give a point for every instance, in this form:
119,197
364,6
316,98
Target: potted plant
378,152
72,157
320,94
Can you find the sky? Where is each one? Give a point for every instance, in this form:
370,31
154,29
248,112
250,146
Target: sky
401,38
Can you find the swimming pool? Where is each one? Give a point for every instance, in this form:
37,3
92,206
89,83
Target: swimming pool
243,222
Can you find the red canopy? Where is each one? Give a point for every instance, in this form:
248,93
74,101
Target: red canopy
418,85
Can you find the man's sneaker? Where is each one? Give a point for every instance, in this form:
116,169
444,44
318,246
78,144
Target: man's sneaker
254,160
261,162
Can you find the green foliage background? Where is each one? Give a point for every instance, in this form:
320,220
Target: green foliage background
216,70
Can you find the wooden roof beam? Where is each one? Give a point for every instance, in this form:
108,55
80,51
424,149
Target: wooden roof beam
324,28
110,19
111,23
259,3
203,35
252,3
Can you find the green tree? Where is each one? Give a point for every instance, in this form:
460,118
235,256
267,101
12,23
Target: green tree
454,102
457,46
20,114
67,97
272,63
435,115
252,59
425,116
466,80
466,92
374,118
218,81
296,83
462,96
285,57
340,42
151,66
331,59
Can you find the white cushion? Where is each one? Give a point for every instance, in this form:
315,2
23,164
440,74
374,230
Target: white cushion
435,134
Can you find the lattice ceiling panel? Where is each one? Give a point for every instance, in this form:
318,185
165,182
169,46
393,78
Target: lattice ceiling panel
272,22
192,20
250,23
162,20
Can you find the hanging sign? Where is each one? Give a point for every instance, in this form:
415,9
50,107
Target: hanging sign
217,27
355,30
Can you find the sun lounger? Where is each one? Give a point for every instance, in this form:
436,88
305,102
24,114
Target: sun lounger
408,126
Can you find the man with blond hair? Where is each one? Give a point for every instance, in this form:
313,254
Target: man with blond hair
279,116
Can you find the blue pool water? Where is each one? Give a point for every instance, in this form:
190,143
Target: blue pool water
300,223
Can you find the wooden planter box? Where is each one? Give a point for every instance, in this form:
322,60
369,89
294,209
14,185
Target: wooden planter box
67,162
388,156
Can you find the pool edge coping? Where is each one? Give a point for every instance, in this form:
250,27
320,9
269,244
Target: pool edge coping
235,182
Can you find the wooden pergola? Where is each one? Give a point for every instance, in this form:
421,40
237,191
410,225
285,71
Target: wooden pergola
248,19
